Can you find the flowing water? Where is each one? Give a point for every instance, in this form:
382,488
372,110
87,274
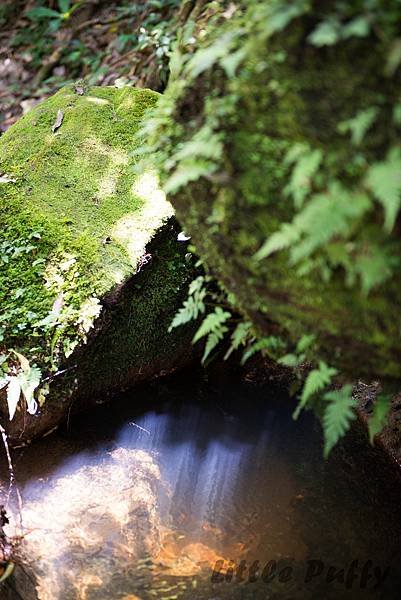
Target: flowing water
182,491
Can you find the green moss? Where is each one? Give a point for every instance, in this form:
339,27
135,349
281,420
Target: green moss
75,219
288,92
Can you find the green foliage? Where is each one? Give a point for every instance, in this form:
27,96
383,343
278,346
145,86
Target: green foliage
193,306
300,356
324,217
239,337
314,184
147,29
306,342
214,325
213,328
338,415
53,17
326,33
359,125
316,381
271,343
205,58
327,229
24,381
204,292
332,30
307,162
378,419
384,179
336,27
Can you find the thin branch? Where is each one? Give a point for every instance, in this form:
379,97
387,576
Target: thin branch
12,480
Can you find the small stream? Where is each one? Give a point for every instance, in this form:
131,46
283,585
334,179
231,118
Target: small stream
180,490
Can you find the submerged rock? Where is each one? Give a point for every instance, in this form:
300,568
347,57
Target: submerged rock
84,531
91,272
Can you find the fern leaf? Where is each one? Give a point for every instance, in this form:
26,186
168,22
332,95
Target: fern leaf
284,238
359,125
206,57
374,266
302,176
305,342
326,33
238,337
196,285
378,420
384,180
213,340
205,143
316,381
326,216
212,323
190,310
295,152
270,342
338,416
358,27
189,170
278,16
291,360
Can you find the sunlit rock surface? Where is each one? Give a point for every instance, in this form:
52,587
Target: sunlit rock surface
93,519
91,272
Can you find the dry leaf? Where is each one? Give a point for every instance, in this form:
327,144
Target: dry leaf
13,395
58,121
6,179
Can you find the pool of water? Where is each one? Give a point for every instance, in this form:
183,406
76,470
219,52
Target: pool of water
186,490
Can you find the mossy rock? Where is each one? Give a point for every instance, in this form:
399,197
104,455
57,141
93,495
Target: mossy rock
91,270
288,93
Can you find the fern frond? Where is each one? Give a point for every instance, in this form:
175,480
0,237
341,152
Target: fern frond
316,381
338,416
379,417
270,342
287,235
324,217
189,170
291,360
384,180
374,266
359,125
212,323
305,342
193,306
302,176
239,337
213,340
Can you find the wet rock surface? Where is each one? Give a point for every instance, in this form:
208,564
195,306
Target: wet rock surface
93,518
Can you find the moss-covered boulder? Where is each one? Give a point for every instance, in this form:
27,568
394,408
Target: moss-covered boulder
283,161
90,268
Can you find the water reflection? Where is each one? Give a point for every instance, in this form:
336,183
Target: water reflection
142,504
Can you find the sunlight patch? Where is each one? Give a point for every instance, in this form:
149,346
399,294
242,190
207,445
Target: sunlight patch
95,100
117,159
134,230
